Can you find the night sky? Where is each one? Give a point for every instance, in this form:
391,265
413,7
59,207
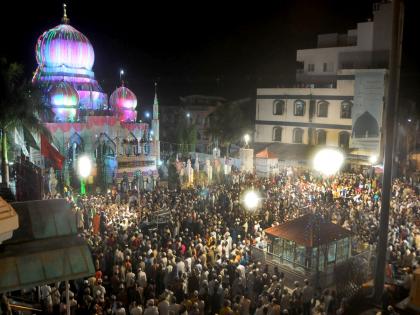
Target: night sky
200,47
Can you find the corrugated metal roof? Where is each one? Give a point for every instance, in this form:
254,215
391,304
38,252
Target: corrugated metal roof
45,248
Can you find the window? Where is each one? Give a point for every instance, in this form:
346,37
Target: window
332,249
311,67
325,67
346,109
321,137
342,250
343,140
323,109
278,107
277,133
299,108
297,135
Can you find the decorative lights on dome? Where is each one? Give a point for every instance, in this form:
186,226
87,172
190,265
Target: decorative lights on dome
124,102
64,101
65,46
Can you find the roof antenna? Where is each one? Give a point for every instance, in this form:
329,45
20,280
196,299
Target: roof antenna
65,19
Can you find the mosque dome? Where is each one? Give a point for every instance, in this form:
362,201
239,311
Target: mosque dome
64,45
64,101
123,98
124,102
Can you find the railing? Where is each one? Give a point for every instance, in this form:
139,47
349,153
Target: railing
357,269
261,254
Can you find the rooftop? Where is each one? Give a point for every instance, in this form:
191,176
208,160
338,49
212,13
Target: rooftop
304,231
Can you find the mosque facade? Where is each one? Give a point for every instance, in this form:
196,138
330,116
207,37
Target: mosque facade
84,121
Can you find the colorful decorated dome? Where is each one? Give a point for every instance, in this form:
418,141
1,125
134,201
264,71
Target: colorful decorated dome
64,101
63,45
124,102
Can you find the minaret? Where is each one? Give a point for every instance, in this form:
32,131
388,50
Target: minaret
155,128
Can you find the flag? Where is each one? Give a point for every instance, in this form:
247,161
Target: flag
29,139
20,142
48,151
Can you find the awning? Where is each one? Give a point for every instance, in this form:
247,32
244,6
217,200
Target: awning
40,262
45,248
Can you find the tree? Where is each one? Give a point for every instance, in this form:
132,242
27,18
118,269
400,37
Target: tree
21,107
229,122
173,176
186,135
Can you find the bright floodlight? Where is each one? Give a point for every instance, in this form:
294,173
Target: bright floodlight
84,166
121,72
251,200
373,159
147,114
328,161
246,138
188,115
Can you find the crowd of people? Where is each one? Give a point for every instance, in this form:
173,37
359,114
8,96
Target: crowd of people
189,251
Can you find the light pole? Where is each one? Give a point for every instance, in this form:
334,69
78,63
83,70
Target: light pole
391,104
84,168
328,162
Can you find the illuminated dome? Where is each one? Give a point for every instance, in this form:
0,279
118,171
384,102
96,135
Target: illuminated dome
124,102
63,45
64,101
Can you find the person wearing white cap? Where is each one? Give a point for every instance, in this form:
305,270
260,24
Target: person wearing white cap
151,309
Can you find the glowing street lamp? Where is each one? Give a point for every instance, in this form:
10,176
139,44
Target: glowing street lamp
147,114
373,159
251,200
246,138
84,168
328,161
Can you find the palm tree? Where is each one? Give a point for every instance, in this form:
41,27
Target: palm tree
20,108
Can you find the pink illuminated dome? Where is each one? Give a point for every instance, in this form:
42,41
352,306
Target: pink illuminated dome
124,102
65,46
64,101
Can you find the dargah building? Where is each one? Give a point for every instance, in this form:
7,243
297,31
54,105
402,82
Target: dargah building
84,121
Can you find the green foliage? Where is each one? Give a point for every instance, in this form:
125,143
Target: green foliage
229,122
173,176
20,106
186,137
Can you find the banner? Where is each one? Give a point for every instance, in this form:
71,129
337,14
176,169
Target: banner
48,151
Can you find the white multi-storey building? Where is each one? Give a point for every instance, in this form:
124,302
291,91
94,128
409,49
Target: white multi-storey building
339,98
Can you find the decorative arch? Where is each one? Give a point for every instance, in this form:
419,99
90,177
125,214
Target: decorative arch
105,146
366,126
